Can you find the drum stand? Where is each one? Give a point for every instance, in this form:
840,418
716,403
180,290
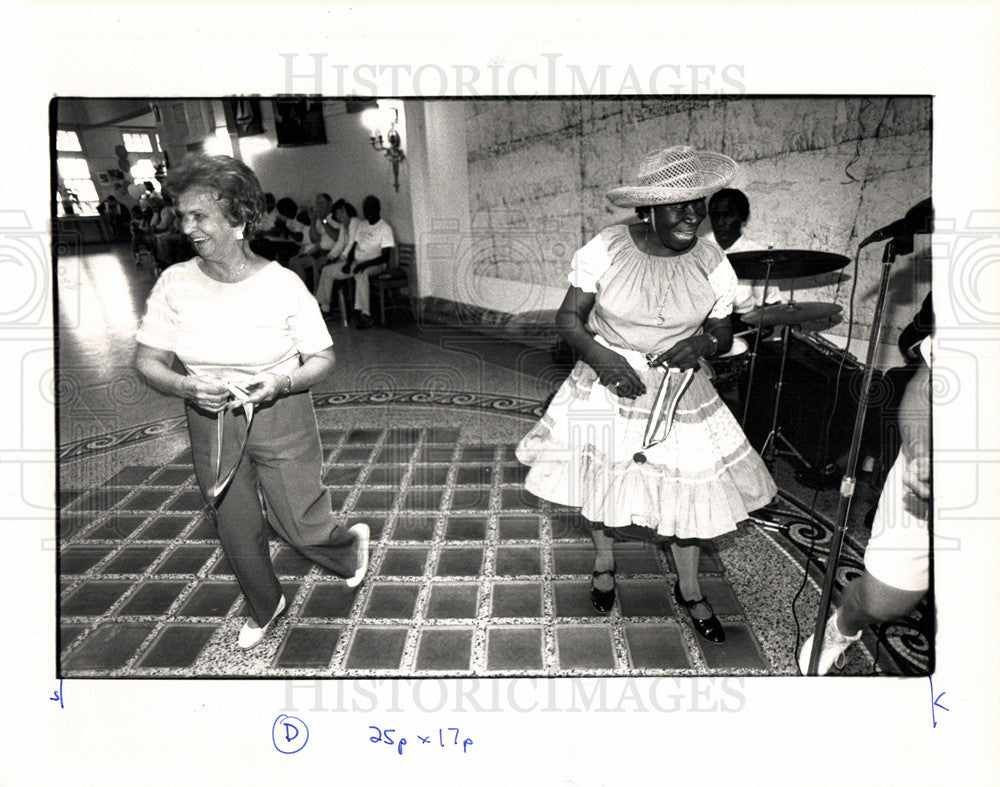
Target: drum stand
849,481
753,353
769,450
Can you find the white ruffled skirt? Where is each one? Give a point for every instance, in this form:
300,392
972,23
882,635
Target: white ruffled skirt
696,484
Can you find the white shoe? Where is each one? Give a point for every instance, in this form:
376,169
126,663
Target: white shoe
834,645
362,535
251,634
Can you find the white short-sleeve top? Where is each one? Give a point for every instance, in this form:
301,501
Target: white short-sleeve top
233,330
371,239
645,302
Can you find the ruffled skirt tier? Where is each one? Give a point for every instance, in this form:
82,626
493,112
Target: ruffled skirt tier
696,484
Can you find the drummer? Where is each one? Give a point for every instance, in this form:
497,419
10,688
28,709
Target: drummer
728,211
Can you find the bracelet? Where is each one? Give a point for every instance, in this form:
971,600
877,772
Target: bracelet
288,388
715,345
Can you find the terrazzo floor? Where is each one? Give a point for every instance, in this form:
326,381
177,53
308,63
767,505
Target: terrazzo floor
470,575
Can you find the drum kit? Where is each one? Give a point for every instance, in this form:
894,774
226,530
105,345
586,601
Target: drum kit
767,266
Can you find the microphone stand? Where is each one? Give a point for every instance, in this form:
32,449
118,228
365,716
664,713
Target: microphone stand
849,481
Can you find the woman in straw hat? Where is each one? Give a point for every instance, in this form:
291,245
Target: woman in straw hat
632,438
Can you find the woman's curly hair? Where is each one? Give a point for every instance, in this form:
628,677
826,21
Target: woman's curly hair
231,181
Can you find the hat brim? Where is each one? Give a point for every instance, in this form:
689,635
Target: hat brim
717,172
645,196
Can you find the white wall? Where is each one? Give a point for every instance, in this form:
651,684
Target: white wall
346,166
521,184
449,243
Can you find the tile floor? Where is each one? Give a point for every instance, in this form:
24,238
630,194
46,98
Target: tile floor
470,575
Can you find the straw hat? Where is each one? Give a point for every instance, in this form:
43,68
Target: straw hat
675,174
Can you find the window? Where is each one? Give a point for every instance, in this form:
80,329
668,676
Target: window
73,168
68,142
77,193
137,143
143,170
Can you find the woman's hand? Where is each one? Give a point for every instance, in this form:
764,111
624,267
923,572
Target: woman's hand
206,392
260,388
686,353
914,420
917,476
616,374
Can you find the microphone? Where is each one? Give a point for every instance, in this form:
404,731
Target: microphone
893,230
917,221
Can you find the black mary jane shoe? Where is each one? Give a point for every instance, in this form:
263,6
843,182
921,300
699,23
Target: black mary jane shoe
709,628
603,600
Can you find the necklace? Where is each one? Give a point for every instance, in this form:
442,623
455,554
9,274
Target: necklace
220,272
669,268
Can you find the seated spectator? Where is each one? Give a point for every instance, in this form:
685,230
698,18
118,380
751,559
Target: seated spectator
344,222
163,220
286,210
371,246
280,242
139,230
117,217
299,228
320,241
170,244
269,216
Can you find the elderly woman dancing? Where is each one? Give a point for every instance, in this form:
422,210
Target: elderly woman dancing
251,340
632,439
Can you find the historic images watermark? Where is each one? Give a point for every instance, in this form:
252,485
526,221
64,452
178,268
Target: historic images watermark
550,74
29,256
515,695
966,458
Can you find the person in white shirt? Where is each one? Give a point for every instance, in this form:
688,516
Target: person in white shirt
270,214
321,238
285,211
897,558
298,230
728,211
251,341
344,220
371,247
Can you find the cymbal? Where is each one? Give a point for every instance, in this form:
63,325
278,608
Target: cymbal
790,313
785,263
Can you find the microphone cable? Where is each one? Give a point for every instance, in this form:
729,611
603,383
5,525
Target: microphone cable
805,578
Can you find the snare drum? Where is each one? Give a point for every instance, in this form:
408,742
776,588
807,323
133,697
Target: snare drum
726,370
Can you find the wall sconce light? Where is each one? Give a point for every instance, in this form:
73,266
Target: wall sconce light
391,145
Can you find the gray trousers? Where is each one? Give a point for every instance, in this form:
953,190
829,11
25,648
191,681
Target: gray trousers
285,458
